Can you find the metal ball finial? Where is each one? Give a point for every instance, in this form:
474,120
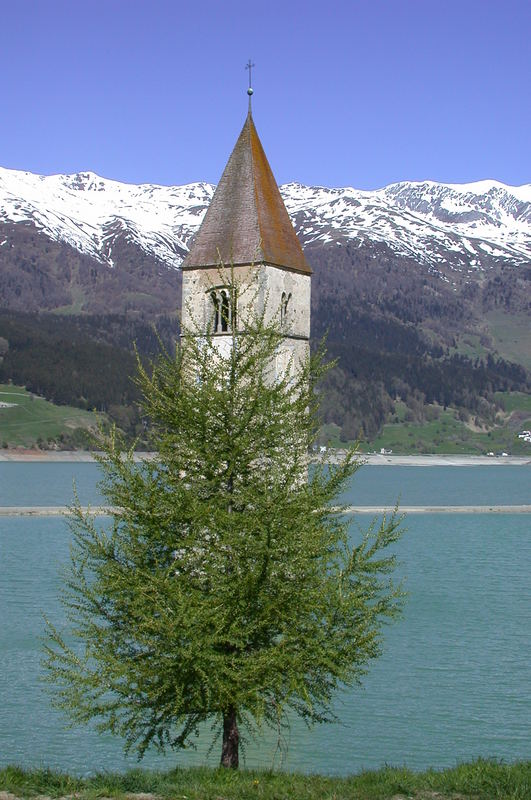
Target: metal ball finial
250,66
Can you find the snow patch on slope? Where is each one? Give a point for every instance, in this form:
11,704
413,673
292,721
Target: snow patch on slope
89,212
425,221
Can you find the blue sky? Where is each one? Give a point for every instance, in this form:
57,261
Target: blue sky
360,93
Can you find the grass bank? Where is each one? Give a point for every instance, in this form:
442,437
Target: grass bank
30,421
27,420
480,780
445,432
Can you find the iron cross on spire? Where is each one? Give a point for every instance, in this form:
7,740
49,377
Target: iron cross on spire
250,66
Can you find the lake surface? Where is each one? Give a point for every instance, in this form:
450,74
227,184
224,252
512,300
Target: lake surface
453,681
51,484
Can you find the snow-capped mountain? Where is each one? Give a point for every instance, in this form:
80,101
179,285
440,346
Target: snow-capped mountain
464,226
442,227
421,288
88,212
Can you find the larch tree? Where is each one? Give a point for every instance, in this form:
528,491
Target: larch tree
226,588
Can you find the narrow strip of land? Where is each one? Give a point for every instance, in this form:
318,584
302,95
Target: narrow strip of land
103,511
53,511
371,459
518,509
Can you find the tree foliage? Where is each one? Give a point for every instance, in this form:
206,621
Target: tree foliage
226,588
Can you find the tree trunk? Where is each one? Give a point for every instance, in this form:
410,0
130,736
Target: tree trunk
231,740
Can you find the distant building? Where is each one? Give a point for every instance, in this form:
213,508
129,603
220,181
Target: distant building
247,228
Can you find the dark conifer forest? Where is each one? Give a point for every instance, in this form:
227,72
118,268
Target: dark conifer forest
89,361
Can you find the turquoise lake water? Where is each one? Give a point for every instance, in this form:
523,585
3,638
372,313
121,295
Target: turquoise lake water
453,682
50,484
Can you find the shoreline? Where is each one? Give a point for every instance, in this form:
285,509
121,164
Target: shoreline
106,511
372,459
442,460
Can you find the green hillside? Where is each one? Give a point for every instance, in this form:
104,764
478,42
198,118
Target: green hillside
27,420
391,387
451,431
511,335
449,435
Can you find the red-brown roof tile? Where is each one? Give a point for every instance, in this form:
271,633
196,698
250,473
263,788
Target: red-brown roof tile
246,221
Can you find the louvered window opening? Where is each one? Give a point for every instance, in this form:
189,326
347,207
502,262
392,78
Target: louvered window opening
284,302
223,311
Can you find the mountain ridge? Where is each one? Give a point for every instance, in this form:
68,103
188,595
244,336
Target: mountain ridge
477,224
421,287
439,257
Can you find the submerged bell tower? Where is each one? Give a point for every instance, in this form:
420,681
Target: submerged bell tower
247,230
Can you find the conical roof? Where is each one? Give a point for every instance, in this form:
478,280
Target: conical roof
246,221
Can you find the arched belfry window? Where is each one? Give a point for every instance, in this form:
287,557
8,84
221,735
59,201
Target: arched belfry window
223,310
215,307
284,303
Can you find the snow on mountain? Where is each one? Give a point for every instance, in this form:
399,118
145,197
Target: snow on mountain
463,227
88,212
429,222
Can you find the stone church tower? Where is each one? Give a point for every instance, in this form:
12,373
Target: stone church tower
247,229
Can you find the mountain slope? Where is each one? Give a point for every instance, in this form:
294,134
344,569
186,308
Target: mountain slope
470,226
90,213
420,286
418,251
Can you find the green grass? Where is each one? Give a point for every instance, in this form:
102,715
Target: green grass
514,401
448,435
469,344
330,435
30,418
444,435
511,335
481,780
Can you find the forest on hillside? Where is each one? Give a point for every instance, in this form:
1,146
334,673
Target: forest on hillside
89,361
